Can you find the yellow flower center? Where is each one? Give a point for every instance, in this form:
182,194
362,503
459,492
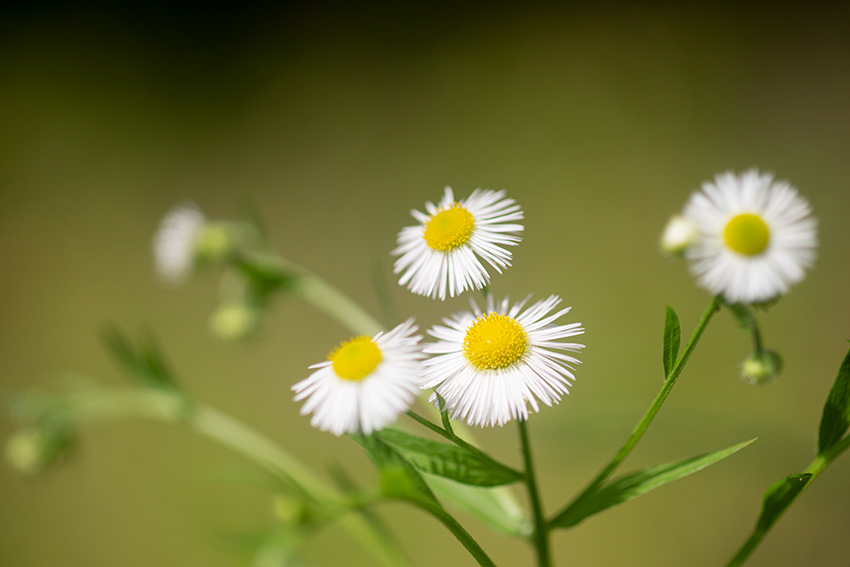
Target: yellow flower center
449,229
494,342
747,234
356,359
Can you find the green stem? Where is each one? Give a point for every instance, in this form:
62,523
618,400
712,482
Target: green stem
209,422
458,531
312,289
540,536
815,468
650,414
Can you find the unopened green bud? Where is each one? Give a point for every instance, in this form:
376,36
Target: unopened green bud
216,243
32,451
290,510
761,367
233,321
679,234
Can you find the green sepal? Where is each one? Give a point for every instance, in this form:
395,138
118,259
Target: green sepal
449,461
144,362
634,484
672,340
836,413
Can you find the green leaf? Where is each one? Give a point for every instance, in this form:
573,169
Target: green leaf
836,412
778,497
398,477
449,461
633,485
672,340
493,507
144,363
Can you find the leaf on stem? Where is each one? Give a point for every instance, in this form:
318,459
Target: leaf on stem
836,412
399,478
634,484
449,461
778,497
144,363
672,340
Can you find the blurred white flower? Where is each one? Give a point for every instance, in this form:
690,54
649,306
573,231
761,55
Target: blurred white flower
756,236
678,235
175,242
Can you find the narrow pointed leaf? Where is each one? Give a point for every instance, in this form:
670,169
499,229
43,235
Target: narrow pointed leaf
672,340
634,484
777,498
836,412
144,363
449,461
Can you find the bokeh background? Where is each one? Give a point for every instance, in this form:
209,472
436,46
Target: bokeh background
335,121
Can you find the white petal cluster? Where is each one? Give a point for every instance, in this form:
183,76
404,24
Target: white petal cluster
341,405
750,278
489,397
441,273
174,243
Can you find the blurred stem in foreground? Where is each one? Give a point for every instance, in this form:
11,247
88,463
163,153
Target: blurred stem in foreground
98,404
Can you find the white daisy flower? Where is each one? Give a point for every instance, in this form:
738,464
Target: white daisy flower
175,242
756,236
442,254
490,365
365,382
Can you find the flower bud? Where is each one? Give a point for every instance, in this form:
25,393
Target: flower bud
761,367
31,451
290,510
679,234
234,321
215,243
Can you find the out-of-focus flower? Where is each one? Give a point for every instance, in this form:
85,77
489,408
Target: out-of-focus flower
756,237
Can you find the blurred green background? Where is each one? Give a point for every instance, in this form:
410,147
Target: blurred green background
336,121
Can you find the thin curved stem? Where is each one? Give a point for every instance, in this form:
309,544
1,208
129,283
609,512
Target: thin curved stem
226,430
650,414
540,536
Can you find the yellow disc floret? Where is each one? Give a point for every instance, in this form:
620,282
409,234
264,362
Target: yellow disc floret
494,342
747,234
449,229
356,359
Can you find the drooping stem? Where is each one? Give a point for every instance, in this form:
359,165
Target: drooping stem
650,414
540,536
169,407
